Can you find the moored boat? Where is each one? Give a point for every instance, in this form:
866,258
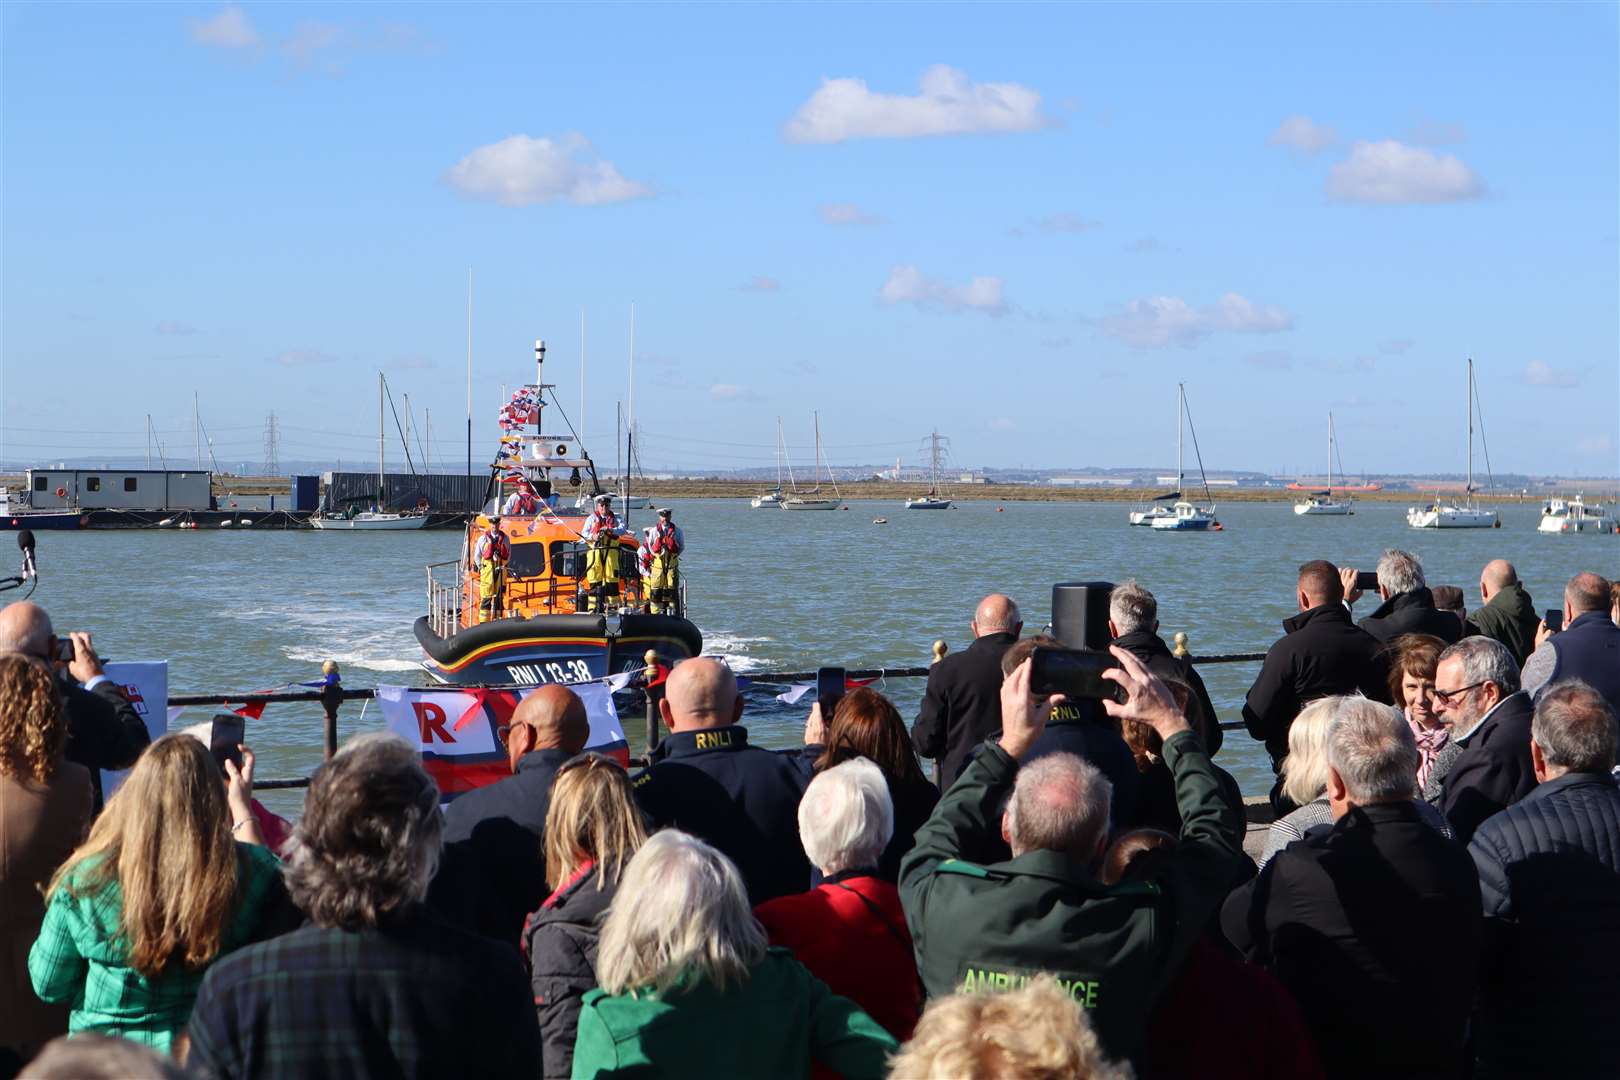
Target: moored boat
1464,513
574,603
933,500
1322,503
812,499
1575,516
1182,515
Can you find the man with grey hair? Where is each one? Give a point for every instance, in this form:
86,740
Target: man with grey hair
1509,614
1486,765
961,704
1587,648
850,930
375,985
1408,605
1373,924
1549,869
1133,623
982,924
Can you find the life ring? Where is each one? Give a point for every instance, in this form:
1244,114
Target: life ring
61,493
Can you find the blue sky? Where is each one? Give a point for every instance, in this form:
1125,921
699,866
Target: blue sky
1021,225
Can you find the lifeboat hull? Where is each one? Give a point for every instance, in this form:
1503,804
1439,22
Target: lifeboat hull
560,649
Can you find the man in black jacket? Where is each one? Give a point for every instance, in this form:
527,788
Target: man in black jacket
1373,924
1476,692
1408,606
494,855
1322,654
961,705
104,730
1133,622
707,780
1549,869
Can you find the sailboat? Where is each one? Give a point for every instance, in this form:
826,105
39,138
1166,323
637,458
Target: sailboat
373,520
1181,515
774,496
1465,514
812,499
933,500
1322,503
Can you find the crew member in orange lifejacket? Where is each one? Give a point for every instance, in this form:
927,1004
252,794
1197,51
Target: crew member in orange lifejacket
667,543
491,557
601,533
522,503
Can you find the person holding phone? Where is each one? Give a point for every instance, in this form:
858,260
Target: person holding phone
104,730
1408,605
981,925
1587,647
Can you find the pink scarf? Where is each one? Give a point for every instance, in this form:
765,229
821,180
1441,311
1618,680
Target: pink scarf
1429,742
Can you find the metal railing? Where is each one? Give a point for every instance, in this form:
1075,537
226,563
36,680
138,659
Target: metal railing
332,696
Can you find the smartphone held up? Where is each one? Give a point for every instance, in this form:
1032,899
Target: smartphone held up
1074,673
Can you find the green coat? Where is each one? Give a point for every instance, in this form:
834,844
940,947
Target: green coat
770,1026
1510,618
992,927
81,958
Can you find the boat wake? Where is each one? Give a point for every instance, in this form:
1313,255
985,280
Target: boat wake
356,639
734,650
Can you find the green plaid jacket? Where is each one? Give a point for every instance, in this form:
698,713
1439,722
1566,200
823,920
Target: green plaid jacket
80,957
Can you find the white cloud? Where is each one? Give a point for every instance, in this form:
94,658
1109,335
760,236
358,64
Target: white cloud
1541,373
845,213
760,283
1392,173
907,285
171,328
731,392
1158,321
521,170
302,358
229,29
947,103
1303,134
311,46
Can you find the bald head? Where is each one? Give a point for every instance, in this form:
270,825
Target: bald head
1586,592
24,628
997,614
550,718
1497,575
701,694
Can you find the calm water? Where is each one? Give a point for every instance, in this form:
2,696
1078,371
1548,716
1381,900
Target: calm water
770,590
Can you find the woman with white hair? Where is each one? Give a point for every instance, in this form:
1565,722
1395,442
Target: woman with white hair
688,985
850,930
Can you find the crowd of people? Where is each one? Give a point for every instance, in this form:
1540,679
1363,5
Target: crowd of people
1437,896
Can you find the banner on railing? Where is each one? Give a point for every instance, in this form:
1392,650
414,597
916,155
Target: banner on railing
146,684
458,731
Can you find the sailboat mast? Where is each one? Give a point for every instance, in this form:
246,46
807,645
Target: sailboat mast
381,488
1181,403
469,369
1330,455
582,376
1469,404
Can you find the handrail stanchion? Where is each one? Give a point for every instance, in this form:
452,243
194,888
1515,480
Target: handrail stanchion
331,698
655,694
940,649
1181,651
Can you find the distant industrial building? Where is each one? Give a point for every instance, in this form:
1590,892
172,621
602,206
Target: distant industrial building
1091,481
119,489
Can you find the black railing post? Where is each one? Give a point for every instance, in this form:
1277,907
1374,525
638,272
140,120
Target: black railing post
331,698
655,694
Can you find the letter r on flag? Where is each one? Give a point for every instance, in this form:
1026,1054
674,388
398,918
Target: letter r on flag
431,719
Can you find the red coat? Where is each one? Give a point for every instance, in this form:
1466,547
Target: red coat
848,946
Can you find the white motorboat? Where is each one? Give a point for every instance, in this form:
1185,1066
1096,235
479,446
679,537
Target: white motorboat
1574,516
1182,515
1464,514
933,500
770,498
1322,503
369,520
812,499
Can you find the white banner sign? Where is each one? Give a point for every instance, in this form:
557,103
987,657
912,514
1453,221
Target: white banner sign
146,684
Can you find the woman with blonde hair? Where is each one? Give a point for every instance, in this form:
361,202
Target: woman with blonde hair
173,876
1036,1032
44,810
688,986
592,829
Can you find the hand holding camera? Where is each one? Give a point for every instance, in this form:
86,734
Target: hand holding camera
80,656
1147,698
1023,714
